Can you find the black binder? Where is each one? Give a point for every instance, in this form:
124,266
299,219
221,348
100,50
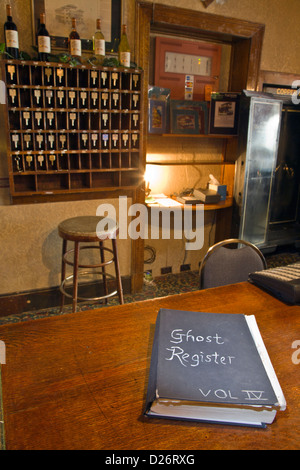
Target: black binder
283,282
211,367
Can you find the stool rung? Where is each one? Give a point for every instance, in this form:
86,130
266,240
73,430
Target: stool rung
106,263
103,297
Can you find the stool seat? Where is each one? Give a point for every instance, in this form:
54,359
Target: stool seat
85,229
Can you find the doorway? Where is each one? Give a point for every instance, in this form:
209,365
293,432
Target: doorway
245,39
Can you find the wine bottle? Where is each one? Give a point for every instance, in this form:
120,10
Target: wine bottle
74,41
124,49
99,43
11,35
44,46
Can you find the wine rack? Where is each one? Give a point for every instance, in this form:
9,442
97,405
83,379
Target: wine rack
72,129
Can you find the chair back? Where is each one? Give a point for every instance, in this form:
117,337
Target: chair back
221,265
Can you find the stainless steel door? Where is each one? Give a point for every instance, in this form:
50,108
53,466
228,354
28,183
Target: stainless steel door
260,162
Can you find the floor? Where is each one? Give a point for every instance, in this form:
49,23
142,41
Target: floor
168,284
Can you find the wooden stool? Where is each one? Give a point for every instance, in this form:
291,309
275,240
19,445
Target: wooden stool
84,230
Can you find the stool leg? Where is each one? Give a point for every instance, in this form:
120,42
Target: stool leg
63,273
103,270
117,268
75,275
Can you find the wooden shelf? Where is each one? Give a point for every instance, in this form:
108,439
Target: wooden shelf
207,207
196,162
211,207
220,205
225,139
197,136
72,129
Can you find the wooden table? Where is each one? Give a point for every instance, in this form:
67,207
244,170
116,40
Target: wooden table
79,381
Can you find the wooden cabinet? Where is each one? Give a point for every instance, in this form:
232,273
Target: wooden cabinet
72,130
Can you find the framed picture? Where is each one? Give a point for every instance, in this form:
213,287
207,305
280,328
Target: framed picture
199,106
224,113
59,14
184,121
157,117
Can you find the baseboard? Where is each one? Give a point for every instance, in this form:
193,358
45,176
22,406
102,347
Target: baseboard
22,302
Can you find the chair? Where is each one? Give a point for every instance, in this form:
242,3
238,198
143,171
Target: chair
221,265
84,230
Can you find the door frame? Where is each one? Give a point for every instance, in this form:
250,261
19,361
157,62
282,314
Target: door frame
245,38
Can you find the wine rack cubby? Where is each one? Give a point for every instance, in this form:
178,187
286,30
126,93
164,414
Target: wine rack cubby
72,129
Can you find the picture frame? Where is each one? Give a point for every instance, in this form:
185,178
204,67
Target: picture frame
199,106
157,117
184,121
58,21
224,113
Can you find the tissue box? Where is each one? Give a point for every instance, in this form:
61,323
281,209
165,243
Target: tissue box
220,189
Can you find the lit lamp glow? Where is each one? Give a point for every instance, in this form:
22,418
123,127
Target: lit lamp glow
157,179
147,177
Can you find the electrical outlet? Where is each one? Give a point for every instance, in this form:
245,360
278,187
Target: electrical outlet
166,270
185,267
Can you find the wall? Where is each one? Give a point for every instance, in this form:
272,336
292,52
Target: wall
30,256
30,246
281,18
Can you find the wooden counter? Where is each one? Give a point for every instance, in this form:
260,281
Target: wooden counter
79,381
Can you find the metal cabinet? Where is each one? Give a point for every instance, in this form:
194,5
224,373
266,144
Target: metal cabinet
259,130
